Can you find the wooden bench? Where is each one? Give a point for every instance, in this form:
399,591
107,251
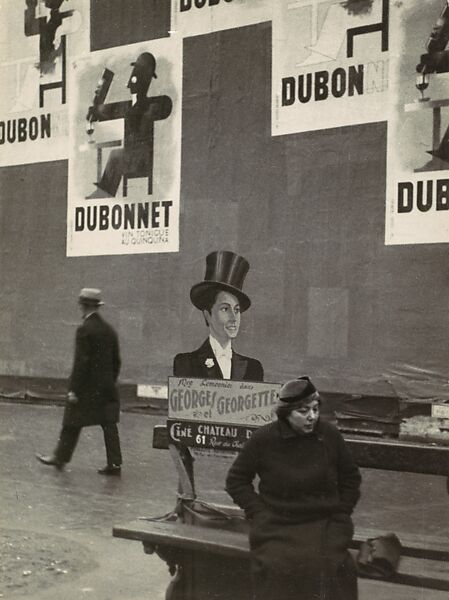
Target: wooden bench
427,556
218,558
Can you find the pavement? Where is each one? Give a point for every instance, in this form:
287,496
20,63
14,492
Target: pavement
56,527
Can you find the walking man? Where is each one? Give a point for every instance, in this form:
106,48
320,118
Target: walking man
92,398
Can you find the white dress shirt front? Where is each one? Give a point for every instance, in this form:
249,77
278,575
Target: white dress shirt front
223,356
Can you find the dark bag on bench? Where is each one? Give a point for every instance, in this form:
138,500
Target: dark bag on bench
379,557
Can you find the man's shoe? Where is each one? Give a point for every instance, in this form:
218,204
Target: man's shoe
110,470
51,461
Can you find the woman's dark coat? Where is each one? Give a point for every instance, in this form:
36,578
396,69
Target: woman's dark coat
96,367
300,523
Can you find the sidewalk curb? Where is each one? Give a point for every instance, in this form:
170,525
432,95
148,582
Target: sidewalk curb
151,406
52,391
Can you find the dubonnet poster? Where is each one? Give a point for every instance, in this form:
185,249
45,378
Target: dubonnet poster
125,150
37,43
330,64
418,127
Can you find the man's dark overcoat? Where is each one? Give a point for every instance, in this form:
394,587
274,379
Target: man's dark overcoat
196,364
96,367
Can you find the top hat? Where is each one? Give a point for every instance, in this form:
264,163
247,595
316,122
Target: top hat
90,296
297,391
225,271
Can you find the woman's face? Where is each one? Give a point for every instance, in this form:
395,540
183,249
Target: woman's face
304,418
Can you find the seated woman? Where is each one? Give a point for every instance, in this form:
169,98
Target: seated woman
300,518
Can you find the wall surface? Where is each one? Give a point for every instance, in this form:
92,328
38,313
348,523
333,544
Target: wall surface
307,210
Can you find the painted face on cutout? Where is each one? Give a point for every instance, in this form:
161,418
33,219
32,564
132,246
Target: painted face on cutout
224,318
304,418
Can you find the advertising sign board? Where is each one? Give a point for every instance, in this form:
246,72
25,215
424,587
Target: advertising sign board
217,413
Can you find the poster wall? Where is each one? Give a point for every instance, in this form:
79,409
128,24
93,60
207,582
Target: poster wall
330,64
196,17
37,43
125,150
418,128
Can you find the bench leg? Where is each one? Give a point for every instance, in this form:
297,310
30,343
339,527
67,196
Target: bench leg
176,587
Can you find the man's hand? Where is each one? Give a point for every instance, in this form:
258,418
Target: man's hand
72,398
